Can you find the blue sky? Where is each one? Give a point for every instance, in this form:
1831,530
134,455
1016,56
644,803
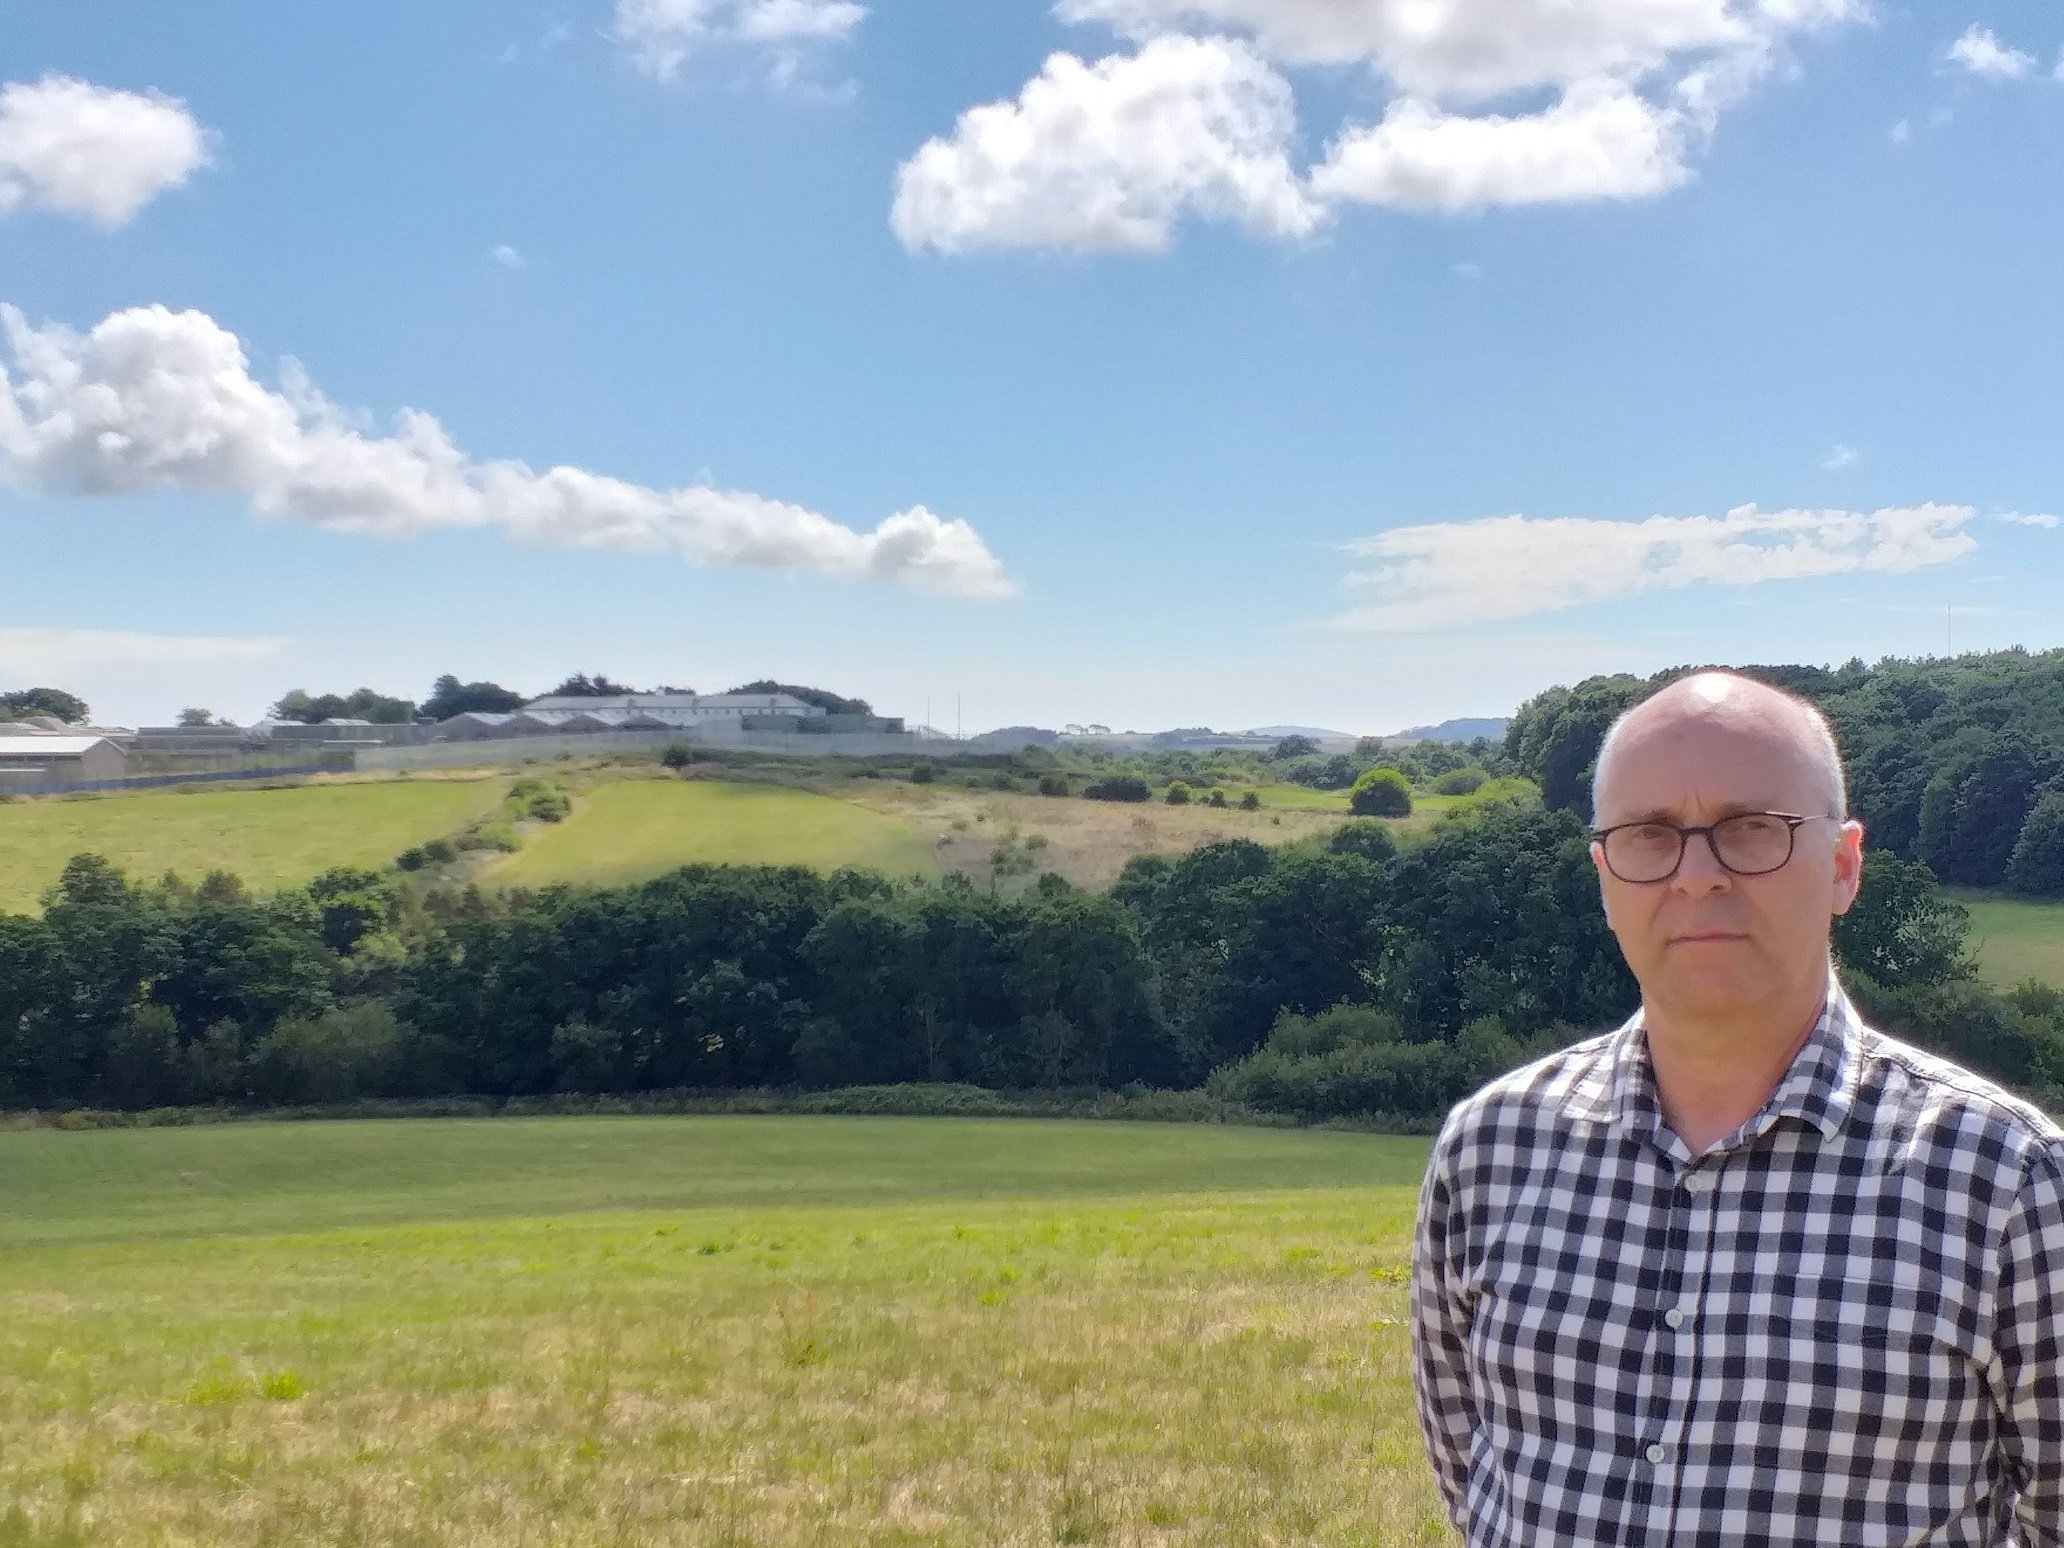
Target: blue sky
1259,361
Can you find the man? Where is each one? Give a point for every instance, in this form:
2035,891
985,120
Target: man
1744,1271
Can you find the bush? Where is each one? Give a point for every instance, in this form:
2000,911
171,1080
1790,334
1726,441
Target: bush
409,860
1217,799
548,806
924,774
440,852
1178,794
335,1057
1053,784
1460,782
1119,787
1365,837
1381,793
1251,801
676,755
2038,863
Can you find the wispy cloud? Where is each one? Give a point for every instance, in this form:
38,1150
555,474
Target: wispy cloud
73,148
1840,456
508,257
662,34
1450,574
2033,519
27,653
155,399
1980,52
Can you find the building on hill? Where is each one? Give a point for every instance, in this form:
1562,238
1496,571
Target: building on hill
671,709
46,760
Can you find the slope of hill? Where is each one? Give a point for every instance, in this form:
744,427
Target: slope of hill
271,838
634,829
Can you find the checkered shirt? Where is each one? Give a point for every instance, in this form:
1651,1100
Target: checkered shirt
1840,1325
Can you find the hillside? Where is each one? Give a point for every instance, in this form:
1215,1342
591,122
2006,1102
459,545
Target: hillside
271,838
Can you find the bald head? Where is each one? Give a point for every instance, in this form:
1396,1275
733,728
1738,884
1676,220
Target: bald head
1725,705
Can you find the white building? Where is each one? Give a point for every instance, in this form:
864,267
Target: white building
634,711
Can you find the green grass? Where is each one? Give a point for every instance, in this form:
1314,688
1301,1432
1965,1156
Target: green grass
707,1331
2016,939
1299,798
271,838
634,829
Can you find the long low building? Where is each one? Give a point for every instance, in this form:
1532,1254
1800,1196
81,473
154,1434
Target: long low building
30,763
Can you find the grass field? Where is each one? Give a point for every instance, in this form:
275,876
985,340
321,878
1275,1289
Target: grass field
271,838
633,829
707,1331
2016,939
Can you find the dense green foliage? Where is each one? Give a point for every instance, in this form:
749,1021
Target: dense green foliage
1951,762
362,704
449,697
1451,959
1380,793
68,707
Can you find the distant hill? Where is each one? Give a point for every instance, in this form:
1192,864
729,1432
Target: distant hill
1460,730
1316,733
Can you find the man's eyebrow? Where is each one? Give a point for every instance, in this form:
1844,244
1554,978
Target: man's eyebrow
1670,817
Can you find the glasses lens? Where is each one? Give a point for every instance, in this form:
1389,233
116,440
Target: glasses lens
1647,851
1753,843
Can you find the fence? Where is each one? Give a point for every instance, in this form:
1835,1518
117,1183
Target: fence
158,781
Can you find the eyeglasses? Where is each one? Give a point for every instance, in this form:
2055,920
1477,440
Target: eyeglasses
1748,844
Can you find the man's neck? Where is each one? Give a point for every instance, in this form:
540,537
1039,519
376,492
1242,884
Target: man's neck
1713,1074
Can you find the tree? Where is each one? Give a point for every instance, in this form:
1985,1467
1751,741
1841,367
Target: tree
1555,736
1294,747
1119,787
1901,930
582,686
677,756
1178,794
54,702
830,703
1381,793
2038,864
361,704
449,697
196,717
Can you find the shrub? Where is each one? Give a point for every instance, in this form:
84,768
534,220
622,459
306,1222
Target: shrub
1053,784
1216,798
409,860
1381,793
1119,787
2038,863
1251,801
676,755
440,852
1178,794
1460,782
924,774
334,1057
1364,837
548,806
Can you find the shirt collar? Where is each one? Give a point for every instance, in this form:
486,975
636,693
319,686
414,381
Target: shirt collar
1819,1088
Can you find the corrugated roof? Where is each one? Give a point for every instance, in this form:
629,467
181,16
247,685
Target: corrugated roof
51,747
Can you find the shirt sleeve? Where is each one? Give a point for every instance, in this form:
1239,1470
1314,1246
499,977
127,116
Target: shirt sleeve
1440,1332
2028,1342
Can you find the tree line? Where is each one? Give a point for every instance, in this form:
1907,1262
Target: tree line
1324,979
1956,763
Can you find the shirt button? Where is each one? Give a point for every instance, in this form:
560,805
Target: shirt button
1673,1318
1697,1183
1657,1452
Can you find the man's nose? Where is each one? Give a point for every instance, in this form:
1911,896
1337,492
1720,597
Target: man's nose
1700,870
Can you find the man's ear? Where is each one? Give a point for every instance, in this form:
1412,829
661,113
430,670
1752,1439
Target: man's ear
1848,865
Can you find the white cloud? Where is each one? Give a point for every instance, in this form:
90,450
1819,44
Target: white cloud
1635,83
74,148
1109,155
41,653
153,399
2034,519
1451,574
1601,141
1901,132
1980,51
1478,49
508,257
1839,457
661,34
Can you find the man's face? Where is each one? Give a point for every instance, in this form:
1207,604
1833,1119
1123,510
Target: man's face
1707,942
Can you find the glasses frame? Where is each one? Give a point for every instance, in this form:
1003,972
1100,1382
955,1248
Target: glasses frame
1793,821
